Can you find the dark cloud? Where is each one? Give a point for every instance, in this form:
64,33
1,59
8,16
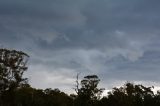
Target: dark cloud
116,39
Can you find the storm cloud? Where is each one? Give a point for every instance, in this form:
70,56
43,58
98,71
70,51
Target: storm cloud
116,39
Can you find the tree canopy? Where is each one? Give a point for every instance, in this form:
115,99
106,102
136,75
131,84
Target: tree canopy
12,67
15,91
89,91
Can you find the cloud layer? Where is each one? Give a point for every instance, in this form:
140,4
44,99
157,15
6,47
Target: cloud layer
116,39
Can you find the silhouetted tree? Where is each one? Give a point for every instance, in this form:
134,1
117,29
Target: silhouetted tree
130,95
12,67
15,91
88,94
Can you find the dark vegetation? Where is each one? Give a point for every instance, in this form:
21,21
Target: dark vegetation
15,91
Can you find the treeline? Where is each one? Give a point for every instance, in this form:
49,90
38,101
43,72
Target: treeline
15,90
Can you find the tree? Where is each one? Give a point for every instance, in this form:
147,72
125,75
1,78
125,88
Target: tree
130,95
12,67
88,94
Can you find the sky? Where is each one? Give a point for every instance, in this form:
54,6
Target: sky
118,40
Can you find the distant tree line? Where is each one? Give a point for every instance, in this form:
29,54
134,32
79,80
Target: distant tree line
15,90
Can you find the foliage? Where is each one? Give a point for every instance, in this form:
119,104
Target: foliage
130,95
28,96
15,91
88,94
12,67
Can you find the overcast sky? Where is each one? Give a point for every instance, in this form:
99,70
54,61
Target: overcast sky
118,40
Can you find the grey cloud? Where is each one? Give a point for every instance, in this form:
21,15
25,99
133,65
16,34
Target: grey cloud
116,39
